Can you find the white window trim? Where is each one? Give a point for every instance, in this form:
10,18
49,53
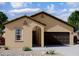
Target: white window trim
21,34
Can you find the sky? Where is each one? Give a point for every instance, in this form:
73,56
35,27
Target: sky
62,10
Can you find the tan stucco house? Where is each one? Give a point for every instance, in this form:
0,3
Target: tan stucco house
41,29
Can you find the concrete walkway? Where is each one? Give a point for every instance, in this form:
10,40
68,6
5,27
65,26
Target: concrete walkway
64,50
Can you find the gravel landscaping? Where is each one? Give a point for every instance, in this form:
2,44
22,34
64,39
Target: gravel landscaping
39,51
20,52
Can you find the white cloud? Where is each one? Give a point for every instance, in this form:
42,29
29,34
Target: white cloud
63,13
17,4
1,10
24,10
50,8
12,14
64,16
20,4
73,4
63,10
70,3
73,9
2,2
66,13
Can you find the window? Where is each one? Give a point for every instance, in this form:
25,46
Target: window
18,34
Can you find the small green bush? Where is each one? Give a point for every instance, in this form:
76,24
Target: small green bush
6,48
27,49
50,52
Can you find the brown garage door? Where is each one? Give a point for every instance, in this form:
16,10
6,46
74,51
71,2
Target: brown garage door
56,38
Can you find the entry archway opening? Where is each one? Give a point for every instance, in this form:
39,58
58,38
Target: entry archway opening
36,37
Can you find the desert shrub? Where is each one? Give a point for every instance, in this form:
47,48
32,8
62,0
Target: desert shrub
50,52
27,49
6,48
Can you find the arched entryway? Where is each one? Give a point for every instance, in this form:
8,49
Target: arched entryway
36,37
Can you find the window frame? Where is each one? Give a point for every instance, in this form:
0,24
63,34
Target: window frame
18,34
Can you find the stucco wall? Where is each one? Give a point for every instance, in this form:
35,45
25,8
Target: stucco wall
57,28
51,22
53,25
26,33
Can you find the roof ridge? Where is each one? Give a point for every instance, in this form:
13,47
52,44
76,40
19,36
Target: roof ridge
51,16
22,17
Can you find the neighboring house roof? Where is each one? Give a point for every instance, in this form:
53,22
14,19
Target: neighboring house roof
52,17
22,17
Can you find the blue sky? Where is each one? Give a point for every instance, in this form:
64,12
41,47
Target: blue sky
61,10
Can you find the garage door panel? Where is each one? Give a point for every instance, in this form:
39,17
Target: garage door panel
54,38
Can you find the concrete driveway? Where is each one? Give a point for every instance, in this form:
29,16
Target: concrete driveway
64,50
39,51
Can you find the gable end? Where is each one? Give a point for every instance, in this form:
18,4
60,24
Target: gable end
22,17
52,17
